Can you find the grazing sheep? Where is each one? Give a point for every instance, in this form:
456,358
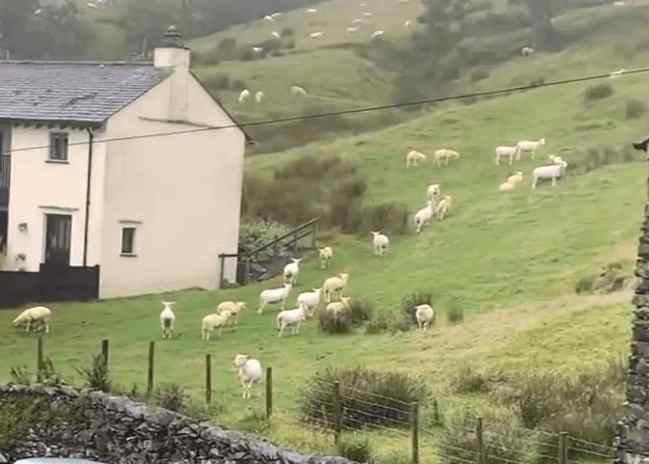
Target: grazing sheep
312,10
334,286
38,314
338,307
357,21
424,216
506,187
528,146
506,152
414,157
316,35
326,254
425,316
381,243
275,34
433,192
167,319
249,371
259,96
234,308
351,30
553,159
309,300
298,91
258,49
291,319
554,172
214,321
274,296
244,95
444,155
291,271
527,51
269,18
516,178
367,14
376,34
443,207
407,23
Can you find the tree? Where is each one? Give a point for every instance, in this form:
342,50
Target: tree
15,15
545,35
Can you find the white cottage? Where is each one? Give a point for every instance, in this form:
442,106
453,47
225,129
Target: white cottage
131,167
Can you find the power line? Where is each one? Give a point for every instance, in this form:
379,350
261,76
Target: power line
368,109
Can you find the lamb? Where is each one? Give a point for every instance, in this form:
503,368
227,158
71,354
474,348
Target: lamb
381,243
316,35
298,91
433,192
234,308
291,271
527,51
376,34
407,23
338,307
506,187
414,157
424,216
312,10
38,314
444,155
167,319
326,254
276,15
351,30
334,286
425,316
554,172
367,14
506,152
214,321
259,96
357,21
553,159
309,300
528,146
274,296
516,178
244,95
443,207
291,319
249,371
269,18
275,34
258,49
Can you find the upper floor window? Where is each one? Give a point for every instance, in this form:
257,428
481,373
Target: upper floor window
128,241
58,146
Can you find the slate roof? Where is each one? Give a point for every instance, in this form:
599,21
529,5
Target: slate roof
80,92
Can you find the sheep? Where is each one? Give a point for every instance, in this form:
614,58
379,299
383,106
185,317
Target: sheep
433,192
425,316
506,152
309,300
276,15
291,271
363,5
37,314
554,172
376,34
326,254
298,91
367,14
351,30
528,146
424,216
506,187
312,10
407,23
443,207
269,18
527,51
274,296
334,286
380,242
214,321
316,35
357,21
259,96
291,319
414,157
167,319
553,159
258,49
618,73
234,308
516,178
275,34
249,372
444,155
244,95
339,306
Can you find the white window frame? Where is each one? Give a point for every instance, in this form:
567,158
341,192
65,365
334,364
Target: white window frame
123,225
53,137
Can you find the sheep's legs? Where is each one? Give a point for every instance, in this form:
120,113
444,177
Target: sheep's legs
261,308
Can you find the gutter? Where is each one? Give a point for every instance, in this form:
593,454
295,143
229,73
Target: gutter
91,138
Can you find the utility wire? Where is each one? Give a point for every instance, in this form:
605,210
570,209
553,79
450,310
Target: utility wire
368,109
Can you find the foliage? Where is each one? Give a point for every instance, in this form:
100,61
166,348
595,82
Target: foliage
454,313
467,379
612,278
358,312
255,233
479,75
17,417
390,217
356,447
172,397
48,374
598,92
634,108
96,376
410,302
20,375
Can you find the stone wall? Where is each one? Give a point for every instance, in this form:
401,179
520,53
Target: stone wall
117,430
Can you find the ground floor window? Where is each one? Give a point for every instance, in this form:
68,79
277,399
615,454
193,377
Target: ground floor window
128,240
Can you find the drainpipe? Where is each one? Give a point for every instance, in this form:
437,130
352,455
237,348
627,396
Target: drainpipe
91,137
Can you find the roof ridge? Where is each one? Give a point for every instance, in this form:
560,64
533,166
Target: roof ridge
77,63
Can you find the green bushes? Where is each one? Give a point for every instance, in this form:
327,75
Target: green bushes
172,397
255,233
356,447
634,108
454,313
598,92
479,75
410,302
20,375
96,376
593,158
358,311
612,278
469,380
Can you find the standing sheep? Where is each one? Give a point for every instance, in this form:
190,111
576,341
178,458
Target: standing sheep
326,254
424,216
443,156
291,319
334,286
425,316
259,96
338,307
516,178
274,296
167,319
234,308
214,321
527,51
528,146
433,192
554,172
310,300
506,152
291,271
381,243
249,372
444,207
38,314
414,157
244,95
298,91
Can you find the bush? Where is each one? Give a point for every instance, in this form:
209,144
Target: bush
49,376
585,285
253,234
635,108
368,398
410,302
96,376
238,85
220,81
335,323
171,397
454,313
287,32
227,49
598,92
361,310
390,218
468,380
479,75
20,375
356,447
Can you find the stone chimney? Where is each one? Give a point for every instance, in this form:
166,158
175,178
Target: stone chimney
173,55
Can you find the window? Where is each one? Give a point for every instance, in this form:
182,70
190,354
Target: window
128,241
58,146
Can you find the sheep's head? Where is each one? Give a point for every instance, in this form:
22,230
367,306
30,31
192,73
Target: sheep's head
346,301
240,360
374,234
242,305
288,286
297,261
168,304
344,277
542,142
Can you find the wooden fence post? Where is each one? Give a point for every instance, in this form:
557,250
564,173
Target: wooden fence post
338,413
436,418
105,351
39,359
415,433
563,447
221,271
149,383
269,392
314,237
208,378
480,439
246,273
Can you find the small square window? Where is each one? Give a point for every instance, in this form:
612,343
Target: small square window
128,241
59,146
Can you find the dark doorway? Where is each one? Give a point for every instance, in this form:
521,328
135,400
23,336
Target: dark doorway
57,239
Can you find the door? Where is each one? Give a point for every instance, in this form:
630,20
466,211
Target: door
57,239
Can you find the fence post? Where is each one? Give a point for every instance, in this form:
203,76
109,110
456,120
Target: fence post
295,242
337,412
436,418
563,447
221,271
149,383
415,433
314,237
246,273
269,392
208,378
480,439
105,351
39,359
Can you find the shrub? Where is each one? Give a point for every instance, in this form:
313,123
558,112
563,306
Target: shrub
20,375
355,447
49,376
479,75
335,323
598,92
361,310
253,234
287,32
227,49
585,285
96,376
390,218
535,397
368,398
238,85
171,396
220,81
635,108
377,325
410,302
455,313
469,380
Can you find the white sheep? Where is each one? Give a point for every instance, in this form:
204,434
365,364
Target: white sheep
414,157
380,242
276,15
259,96
433,192
516,178
527,51
376,34
506,152
425,316
506,187
310,300
553,159
618,73
326,254
444,155
244,95
291,319
368,14
167,319
235,308
214,321
443,207
38,314
424,216
528,146
291,271
357,21
312,10
258,49
338,307
408,23
351,30
274,296
334,287
554,172
269,18
249,372
316,35
298,91
275,34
